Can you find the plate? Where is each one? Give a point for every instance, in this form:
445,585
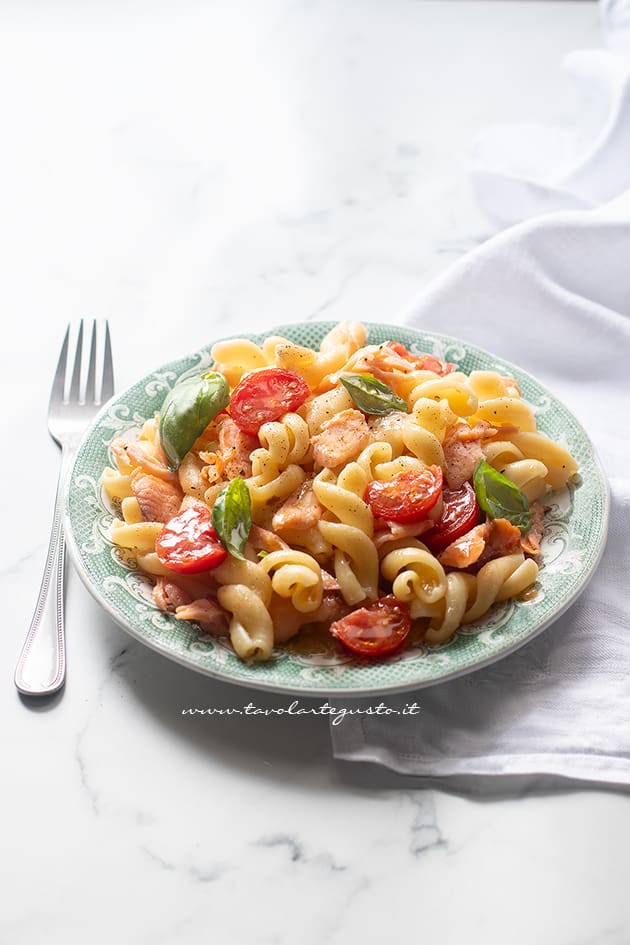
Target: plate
572,546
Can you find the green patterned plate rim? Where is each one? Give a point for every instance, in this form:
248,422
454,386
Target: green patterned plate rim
575,536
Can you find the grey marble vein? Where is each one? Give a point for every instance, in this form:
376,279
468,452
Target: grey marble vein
426,833
298,853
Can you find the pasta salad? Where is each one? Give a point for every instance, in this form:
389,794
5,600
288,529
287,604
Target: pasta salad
363,488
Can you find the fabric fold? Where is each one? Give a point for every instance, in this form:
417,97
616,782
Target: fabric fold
524,169
553,296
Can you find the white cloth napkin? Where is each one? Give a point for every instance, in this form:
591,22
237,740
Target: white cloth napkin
524,169
552,295
615,19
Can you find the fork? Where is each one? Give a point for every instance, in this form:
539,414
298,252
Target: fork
41,666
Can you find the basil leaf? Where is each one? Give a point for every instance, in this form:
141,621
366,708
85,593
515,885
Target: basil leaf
500,497
187,410
372,396
232,516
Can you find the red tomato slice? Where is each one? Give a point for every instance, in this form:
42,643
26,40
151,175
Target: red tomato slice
407,497
188,543
460,513
266,395
422,362
375,630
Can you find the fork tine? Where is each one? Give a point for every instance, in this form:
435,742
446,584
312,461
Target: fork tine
90,385
56,394
75,383
107,388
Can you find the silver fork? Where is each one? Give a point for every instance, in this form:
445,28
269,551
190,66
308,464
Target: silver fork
41,667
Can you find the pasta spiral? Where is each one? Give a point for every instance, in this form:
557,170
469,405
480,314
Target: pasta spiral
355,556
499,580
246,593
415,574
297,576
334,484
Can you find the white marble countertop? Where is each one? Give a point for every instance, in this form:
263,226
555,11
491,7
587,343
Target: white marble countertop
181,168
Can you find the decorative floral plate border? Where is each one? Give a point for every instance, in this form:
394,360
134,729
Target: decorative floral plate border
572,546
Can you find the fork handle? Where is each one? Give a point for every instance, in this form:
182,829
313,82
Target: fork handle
41,666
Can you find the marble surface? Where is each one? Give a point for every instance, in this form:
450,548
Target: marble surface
183,169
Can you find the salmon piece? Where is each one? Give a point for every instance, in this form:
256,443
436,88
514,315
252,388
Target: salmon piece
389,364
424,361
381,361
158,499
341,439
511,387
391,531
482,430
300,510
235,449
168,596
462,449
460,456
287,621
197,585
261,539
482,543
467,549
333,607
212,472
130,454
530,542
504,539
383,358
207,613
329,582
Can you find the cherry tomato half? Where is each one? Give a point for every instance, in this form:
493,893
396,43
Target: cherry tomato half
266,395
406,497
188,543
460,513
375,630
422,362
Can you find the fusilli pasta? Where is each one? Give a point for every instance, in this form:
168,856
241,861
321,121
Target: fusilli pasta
359,514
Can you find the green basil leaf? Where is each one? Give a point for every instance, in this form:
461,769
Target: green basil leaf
232,516
500,497
372,396
187,410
